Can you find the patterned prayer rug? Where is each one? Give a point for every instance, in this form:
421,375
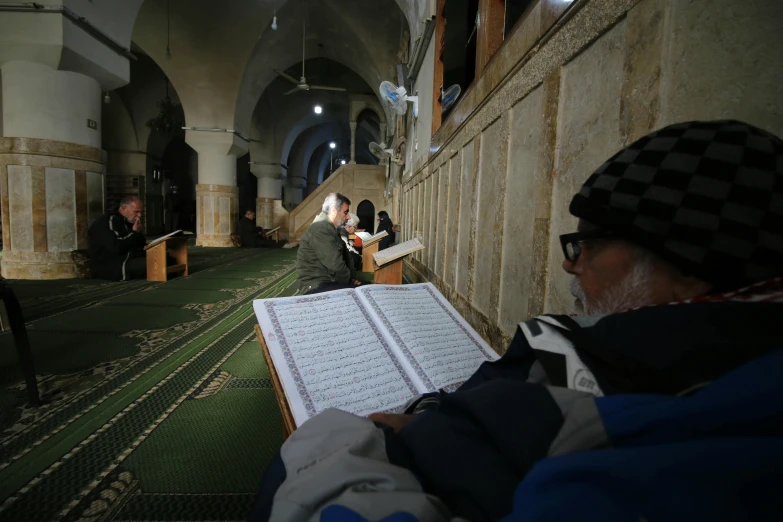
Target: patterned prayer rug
158,404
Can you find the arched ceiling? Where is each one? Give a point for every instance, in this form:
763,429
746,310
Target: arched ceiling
223,53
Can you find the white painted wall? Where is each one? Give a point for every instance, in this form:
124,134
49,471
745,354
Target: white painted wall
40,102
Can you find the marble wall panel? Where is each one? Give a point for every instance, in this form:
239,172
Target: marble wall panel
587,134
450,246
60,209
435,218
722,59
20,203
208,211
224,216
445,222
467,187
529,171
489,213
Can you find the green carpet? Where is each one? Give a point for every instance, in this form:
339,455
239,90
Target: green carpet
158,404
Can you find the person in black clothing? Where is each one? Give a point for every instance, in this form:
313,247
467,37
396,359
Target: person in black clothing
251,235
385,223
117,243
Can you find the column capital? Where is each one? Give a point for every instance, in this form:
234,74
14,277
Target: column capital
352,125
266,171
216,143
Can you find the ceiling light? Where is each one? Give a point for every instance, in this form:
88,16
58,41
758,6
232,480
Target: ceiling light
274,23
342,162
332,144
317,109
106,98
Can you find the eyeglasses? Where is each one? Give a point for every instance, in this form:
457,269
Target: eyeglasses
571,242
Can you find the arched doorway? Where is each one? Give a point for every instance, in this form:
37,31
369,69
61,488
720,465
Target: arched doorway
366,213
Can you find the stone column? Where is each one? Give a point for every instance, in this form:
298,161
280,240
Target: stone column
217,194
269,191
353,142
51,170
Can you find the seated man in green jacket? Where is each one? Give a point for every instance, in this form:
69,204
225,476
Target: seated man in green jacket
323,261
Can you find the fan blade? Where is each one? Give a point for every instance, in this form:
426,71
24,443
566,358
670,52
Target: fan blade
287,77
291,91
324,88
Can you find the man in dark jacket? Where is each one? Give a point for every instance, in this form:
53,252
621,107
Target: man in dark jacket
117,243
323,261
252,236
663,402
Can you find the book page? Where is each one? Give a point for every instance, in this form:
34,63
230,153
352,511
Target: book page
161,238
364,236
375,238
270,232
329,354
397,251
438,345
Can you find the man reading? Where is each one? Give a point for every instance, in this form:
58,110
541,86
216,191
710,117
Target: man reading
323,261
663,401
117,243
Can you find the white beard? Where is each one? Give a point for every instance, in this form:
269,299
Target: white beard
632,292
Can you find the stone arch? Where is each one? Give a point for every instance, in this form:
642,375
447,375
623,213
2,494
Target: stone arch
365,209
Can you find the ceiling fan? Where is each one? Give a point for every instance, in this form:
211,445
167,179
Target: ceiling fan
302,84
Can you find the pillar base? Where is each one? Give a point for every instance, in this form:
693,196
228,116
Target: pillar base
44,265
217,211
50,194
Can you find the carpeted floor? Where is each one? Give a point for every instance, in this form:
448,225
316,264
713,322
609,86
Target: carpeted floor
158,405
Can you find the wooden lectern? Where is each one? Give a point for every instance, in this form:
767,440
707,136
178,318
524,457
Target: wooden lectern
177,247
274,232
285,409
368,264
389,273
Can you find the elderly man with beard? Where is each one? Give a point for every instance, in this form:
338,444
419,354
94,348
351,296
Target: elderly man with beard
662,401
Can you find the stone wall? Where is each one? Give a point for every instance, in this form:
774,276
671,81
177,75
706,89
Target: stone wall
561,96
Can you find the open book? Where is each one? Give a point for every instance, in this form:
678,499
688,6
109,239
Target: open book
163,238
368,239
368,349
270,232
397,251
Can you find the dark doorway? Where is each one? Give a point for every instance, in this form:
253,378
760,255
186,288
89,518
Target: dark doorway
366,213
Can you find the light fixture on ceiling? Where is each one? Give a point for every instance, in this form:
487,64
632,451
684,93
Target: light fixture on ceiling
106,98
274,23
318,109
332,144
342,162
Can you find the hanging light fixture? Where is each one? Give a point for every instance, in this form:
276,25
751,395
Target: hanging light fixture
106,98
274,16
342,162
317,109
332,144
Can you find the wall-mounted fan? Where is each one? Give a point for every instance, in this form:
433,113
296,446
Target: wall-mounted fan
449,96
397,98
380,151
302,84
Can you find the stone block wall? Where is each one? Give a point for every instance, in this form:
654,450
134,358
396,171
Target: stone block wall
492,198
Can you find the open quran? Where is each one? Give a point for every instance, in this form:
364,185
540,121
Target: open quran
369,239
176,233
270,232
397,251
365,350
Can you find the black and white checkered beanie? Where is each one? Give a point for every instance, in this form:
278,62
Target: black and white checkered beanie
706,196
